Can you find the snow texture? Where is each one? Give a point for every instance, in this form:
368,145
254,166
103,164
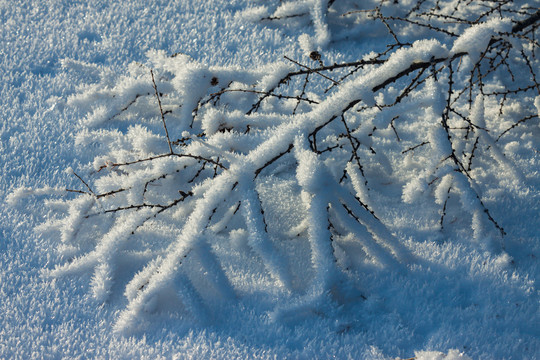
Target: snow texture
159,203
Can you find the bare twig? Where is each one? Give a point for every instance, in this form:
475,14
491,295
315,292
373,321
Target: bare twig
161,112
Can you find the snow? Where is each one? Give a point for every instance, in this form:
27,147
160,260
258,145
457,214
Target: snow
70,285
475,39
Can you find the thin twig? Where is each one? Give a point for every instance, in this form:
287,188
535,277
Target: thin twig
161,112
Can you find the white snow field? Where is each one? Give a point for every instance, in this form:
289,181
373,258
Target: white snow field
179,182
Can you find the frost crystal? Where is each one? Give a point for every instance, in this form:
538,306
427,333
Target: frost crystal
280,167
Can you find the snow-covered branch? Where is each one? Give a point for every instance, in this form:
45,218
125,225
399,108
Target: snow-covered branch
188,154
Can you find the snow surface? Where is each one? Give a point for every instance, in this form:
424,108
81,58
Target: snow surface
457,300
